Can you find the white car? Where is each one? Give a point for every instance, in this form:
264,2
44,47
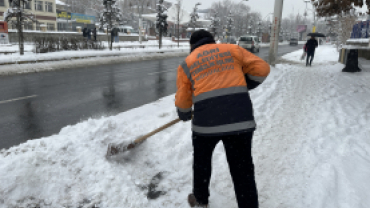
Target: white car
250,43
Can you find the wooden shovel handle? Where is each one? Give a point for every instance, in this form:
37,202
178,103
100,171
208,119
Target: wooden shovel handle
143,138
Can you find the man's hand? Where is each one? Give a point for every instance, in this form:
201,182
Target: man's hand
184,116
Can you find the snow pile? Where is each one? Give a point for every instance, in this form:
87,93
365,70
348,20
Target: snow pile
67,55
154,43
15,48
83,62
311,150
323,54
58,2
365,40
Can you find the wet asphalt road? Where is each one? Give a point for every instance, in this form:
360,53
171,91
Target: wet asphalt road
40,104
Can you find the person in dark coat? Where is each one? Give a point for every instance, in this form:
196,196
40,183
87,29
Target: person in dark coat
112,34
94,33
311,46
88,34
84,32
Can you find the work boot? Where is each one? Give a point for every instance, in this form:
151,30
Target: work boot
194,203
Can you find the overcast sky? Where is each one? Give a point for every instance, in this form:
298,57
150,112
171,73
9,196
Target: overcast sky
263,6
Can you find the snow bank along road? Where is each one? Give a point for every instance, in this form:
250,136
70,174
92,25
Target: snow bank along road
311,150
40,104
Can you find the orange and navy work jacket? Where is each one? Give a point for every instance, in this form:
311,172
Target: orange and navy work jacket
215,79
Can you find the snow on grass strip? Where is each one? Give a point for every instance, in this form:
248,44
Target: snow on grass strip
83,62
67,55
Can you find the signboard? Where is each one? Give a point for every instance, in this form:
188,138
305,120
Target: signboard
81,18
301,28
64,15
4,38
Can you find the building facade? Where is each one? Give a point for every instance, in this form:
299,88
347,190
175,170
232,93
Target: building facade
149,6
43,10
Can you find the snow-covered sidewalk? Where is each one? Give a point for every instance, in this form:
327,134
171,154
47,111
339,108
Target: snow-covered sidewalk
311,150
324,54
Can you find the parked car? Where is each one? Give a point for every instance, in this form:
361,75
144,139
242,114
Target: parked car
250,43
230,39
293,41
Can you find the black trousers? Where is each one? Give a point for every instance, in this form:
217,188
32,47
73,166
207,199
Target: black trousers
238,150
310,54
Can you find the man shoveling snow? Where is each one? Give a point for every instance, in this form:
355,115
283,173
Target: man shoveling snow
216,79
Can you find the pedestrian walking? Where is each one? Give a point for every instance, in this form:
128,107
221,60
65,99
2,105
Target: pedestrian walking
84,33
89,34
116,35
94,33
216,79
112,33
311,46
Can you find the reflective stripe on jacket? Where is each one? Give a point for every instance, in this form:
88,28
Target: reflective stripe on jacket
214,79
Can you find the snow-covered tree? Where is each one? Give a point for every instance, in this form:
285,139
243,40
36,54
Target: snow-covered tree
342,14
15,15
194,16
242,15
110,17
327,8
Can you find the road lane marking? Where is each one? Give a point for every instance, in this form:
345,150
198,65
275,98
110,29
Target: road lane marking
17,99
161,72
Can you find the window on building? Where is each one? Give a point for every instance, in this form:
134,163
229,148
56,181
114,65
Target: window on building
27,5
49,6
28,26
38,25
2,2
38,5
50,27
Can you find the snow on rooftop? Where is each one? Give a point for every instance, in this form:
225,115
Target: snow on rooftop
58,2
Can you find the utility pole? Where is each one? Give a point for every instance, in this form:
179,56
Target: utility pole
275,31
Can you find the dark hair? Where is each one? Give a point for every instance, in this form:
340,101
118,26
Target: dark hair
199,35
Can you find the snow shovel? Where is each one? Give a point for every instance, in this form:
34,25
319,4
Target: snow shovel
114,149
